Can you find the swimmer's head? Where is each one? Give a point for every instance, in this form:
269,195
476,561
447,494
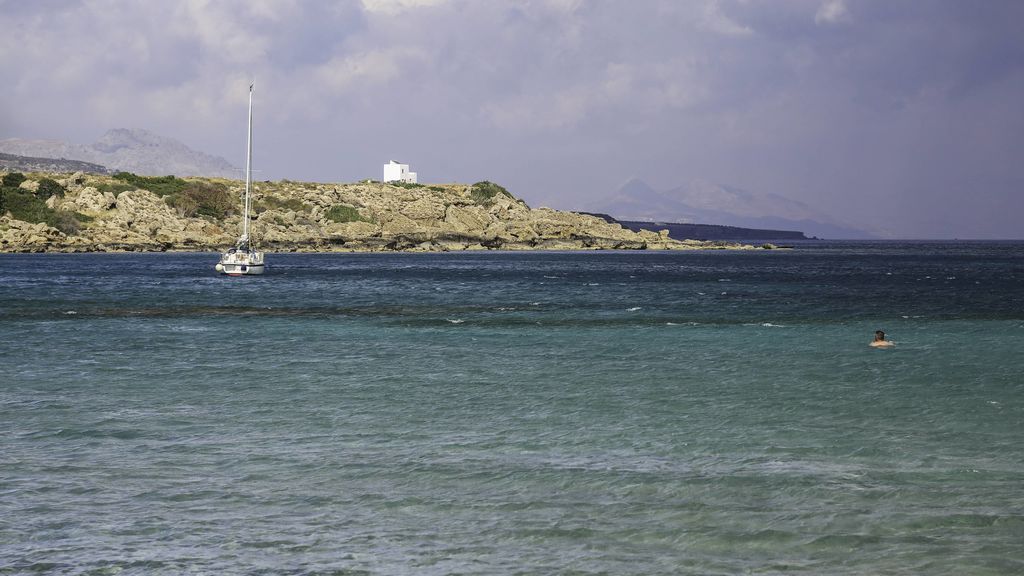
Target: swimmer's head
879,335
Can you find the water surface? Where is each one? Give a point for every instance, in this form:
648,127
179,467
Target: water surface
502,413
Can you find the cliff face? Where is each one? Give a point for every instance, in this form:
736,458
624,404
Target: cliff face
291,216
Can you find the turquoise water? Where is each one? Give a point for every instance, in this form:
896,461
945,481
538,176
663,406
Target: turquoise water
515,413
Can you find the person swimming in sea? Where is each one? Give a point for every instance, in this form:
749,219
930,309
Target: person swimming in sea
880,341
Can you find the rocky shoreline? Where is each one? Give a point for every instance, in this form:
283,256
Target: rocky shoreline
200,214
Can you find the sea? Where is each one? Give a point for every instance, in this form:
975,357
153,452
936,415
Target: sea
620,413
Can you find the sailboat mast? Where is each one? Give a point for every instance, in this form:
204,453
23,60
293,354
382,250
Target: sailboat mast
248,172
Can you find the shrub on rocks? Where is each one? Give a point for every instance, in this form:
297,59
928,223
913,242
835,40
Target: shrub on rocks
276,203
29,208
159,185
114,188
48,187
184,205
406,185
203,199
214,200
485,192
12,179
342,213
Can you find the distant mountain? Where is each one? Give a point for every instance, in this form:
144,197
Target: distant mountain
706,203
15,163
135,151
713,231
679,231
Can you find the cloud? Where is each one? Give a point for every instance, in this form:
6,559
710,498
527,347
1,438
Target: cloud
348,72
915,101
395,7
533,112
214,25
831,12
715,19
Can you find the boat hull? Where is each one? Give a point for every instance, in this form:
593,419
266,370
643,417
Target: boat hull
239,263
242,269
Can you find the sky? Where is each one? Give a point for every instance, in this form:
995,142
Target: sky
902,117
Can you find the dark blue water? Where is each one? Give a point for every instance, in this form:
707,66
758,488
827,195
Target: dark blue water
618,413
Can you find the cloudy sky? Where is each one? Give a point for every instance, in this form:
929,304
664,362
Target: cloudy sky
905,117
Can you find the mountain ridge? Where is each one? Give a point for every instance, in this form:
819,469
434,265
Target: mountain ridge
128,150
15,163
706,231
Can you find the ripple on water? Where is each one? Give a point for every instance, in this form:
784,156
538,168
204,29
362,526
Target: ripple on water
514,414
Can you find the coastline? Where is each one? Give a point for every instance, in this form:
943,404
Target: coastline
129,213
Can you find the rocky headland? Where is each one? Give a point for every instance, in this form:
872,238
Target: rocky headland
123,212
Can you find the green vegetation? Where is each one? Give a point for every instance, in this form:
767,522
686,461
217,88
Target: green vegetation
405,184
435,188
27,207
48,187
188,198
276,203
12,179
184,205
202,199
485,192
114,188
342,213
159,185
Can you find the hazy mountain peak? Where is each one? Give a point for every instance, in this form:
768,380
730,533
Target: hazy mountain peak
704,195
635,182
637,189
120,138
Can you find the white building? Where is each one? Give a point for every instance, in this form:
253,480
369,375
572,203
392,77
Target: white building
395,172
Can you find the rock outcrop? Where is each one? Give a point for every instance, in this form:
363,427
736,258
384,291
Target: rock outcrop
314,217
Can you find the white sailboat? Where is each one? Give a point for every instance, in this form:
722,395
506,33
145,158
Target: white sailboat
244,259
